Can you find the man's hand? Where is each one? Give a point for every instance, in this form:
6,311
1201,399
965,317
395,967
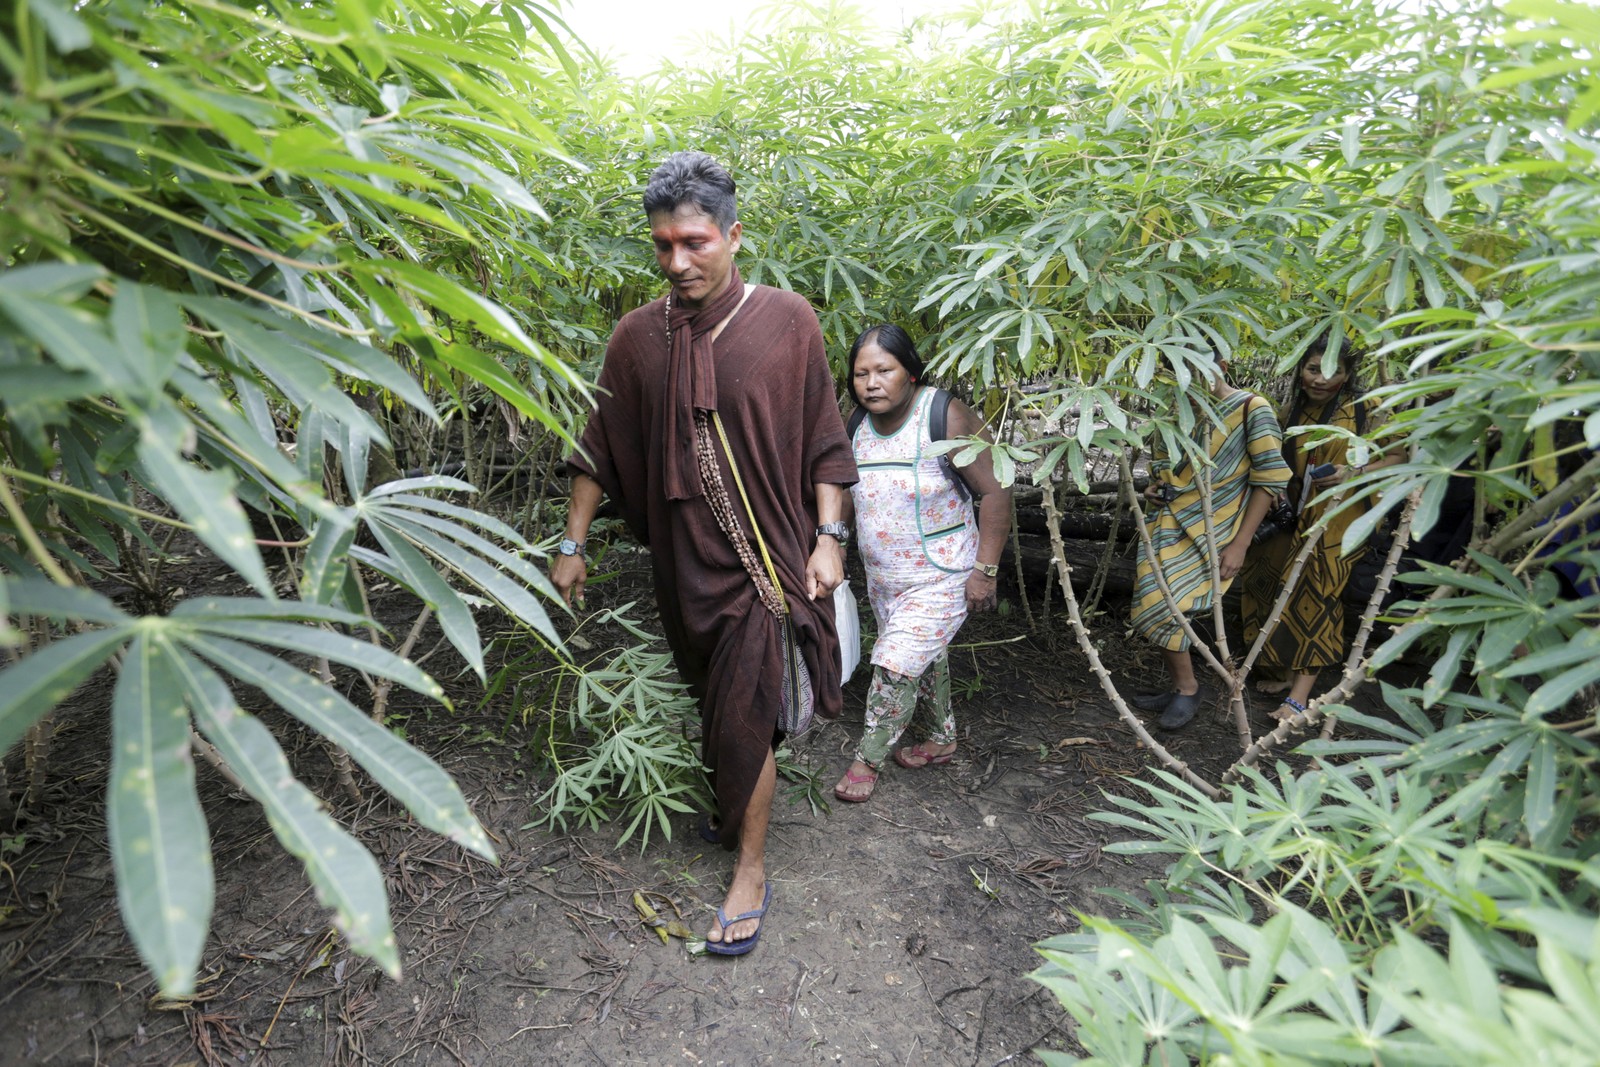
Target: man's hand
826,569
567,574
1231,560
982,591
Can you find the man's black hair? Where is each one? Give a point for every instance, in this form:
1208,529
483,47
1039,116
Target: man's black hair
693,178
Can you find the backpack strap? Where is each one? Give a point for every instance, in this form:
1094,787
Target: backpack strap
938,430
938,415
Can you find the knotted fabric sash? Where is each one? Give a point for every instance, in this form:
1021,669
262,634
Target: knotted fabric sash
691,383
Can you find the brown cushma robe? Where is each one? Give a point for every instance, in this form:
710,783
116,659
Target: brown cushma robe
776,399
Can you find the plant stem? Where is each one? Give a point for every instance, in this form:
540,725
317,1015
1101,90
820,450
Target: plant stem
84,494
1064,576
30,536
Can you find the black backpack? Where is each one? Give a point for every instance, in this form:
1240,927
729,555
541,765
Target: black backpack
938,415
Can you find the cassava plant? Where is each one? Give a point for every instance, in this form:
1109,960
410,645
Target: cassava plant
234,240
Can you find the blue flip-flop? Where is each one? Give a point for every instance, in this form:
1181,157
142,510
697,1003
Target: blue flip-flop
709,833
740,947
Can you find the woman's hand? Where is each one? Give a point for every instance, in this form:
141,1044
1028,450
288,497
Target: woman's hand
1155,492
1230,561
982,591
1341,473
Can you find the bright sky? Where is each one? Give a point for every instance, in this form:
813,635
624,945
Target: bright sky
642,32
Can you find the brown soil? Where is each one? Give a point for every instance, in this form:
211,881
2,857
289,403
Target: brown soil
901,930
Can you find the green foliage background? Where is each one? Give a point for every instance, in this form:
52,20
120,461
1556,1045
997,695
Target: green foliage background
278,255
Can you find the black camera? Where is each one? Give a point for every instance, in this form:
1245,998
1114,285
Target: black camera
1280,518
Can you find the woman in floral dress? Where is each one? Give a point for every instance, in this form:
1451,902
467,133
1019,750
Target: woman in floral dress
929,559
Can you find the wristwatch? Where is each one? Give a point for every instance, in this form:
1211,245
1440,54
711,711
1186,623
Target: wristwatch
836,530
988,570
569,547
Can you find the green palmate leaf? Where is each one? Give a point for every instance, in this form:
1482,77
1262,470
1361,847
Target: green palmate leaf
147,333
1539,798
431,481
421,578
327,559
41,384
343,872
303,379
52,282
72,338
467,516
513,595
67,31
457,301
348,357
205,499
1584,647
160,847
492,373
414,520
230,607
362,655
1554,694
10,636
36,596
45,678
240,434
414,779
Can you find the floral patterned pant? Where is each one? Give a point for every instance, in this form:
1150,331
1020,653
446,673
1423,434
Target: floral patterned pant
892,702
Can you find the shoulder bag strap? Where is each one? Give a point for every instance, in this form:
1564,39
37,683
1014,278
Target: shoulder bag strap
761,542
772,595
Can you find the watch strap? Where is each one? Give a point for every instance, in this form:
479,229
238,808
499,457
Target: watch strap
836,530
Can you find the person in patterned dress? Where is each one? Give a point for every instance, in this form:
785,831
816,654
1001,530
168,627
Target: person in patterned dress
929,559
1309,637
1244,468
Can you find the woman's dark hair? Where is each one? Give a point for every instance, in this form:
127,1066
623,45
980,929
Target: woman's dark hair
893,340
693,178
1349,362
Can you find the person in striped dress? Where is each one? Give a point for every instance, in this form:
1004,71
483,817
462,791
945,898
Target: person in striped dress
1244,466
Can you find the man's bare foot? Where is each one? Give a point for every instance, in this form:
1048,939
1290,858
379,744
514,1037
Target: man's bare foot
748,893
859,780
924,753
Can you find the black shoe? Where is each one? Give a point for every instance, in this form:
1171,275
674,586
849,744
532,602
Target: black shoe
1183,708
1153,701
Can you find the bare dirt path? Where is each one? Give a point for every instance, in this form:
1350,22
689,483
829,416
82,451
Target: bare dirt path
900,930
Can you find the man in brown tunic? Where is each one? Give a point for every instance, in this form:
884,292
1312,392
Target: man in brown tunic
753,355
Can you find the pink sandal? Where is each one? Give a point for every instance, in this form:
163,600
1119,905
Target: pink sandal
871,777
917,750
